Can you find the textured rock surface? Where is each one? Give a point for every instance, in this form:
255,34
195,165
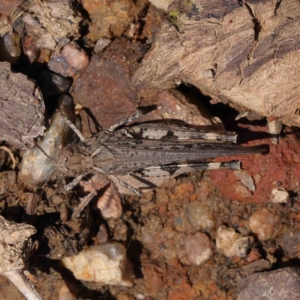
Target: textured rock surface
51,24
14,245
111,18
243,54
107,81
282,284
70,61
22,113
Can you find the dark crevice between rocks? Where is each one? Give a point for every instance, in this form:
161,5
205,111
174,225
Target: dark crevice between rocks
257,27
227,114
277,5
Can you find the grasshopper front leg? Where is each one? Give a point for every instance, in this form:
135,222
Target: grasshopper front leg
74,128
127,186
136,115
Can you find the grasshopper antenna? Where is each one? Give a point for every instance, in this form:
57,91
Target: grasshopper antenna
53,159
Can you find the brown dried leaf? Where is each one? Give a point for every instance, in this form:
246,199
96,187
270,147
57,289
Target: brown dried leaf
110,202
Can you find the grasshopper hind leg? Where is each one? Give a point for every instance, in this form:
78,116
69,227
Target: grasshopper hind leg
177,169
73,183
126,185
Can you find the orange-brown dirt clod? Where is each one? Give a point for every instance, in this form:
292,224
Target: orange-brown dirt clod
282,162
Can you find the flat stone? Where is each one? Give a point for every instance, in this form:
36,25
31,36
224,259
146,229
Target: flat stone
282,284
105,89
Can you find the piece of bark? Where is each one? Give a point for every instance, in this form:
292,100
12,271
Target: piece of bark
109,202
241,52
22,113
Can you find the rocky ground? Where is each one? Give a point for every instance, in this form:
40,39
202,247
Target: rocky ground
202,235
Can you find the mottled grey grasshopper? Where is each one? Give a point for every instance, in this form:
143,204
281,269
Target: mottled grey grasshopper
147,150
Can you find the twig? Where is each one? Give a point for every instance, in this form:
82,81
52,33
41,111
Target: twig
16,246
14,162
23,284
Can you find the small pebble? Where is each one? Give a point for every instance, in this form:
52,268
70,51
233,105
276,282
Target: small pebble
71,61
30,49
290,243
36,167
10,48
254,255
199,216
101,44
265,224
56,200
198,249
65,293
246,179
231,243
280,196
102,235
105,263
274,129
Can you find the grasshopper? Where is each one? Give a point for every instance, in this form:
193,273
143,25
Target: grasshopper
147,150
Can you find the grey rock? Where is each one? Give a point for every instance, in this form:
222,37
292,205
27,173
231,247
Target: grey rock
282,284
